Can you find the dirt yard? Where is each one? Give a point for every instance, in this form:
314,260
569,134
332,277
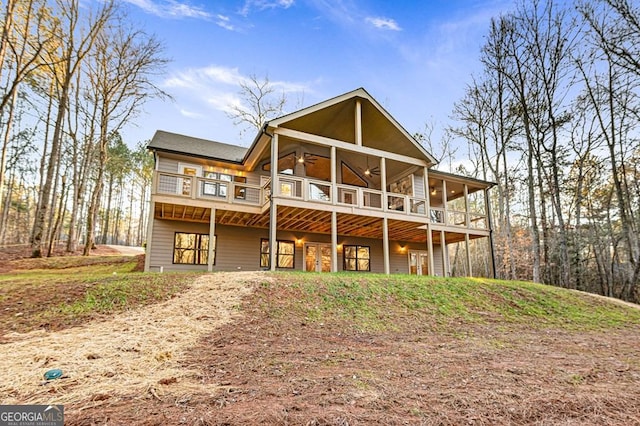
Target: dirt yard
222,353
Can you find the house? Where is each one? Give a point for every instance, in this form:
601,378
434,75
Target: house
338,186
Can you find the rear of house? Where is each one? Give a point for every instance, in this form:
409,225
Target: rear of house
339,186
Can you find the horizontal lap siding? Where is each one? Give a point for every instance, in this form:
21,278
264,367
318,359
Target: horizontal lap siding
238,248
162,244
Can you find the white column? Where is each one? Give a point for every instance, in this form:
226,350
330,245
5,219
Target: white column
430,248
445,255
334,176
273,210
385,244
383,180
467,216
334,242
358,119
147,249
212,239
445,219
428,211
466,240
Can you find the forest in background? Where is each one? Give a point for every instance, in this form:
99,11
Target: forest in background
552,120
73,74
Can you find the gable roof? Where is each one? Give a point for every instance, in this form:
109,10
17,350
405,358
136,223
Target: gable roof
180,144
334,118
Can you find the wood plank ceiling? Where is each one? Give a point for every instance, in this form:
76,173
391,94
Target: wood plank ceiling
307,220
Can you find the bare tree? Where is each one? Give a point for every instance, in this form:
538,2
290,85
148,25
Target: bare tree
260,103
123,63
73,45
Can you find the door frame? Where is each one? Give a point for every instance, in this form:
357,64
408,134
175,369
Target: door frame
419,253
318,255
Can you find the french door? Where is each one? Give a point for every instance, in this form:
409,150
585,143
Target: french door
419,262
317,257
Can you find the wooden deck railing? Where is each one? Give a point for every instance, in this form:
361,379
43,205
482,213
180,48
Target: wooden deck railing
315,191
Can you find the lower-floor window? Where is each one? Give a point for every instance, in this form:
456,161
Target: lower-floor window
356,258
192,249
285,254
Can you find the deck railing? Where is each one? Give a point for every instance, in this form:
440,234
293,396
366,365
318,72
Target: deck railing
312,190
212,189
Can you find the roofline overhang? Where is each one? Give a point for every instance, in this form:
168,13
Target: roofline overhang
452,176
204,157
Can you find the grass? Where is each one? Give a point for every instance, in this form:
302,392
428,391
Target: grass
379,302
56,293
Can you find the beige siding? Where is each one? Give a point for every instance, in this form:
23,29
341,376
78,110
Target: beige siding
238,248
161,250
168,165
437,261
418,186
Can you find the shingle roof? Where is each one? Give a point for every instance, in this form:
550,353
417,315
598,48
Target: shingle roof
181,144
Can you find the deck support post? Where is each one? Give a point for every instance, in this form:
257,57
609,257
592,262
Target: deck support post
147,248
273,209
212,239
334,241
445,255
385,244
468,250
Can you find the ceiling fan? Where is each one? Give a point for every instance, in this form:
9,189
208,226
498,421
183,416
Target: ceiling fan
307,158
370,171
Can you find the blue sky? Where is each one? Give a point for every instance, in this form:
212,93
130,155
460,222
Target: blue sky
414,57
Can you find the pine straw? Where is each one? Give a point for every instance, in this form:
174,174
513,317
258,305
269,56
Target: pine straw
137,352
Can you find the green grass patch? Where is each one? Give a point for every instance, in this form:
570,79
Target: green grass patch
374,302
75,290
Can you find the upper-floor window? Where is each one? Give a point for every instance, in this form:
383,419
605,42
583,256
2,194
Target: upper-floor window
350,177
286,164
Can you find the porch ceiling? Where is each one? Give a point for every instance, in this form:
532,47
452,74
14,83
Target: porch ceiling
307,220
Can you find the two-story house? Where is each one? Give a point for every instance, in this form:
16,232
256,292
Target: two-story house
338,186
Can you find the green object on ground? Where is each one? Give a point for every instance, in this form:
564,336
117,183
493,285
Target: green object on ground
56,373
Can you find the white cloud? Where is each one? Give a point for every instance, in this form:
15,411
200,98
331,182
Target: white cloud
190,114
383,23
171,9
216,87
264,4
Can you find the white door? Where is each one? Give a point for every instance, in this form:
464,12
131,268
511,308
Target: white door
317,257
419,262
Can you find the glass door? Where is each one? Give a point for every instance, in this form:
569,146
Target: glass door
317,257
419,262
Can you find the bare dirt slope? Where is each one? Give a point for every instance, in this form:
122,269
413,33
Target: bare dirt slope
135,353
228,352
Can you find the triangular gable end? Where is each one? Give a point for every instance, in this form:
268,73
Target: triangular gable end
336,118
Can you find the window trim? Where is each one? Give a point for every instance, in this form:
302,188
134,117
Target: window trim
293,255
357,247
197,251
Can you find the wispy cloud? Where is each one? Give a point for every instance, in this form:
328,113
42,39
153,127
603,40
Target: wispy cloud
383,23
224,22
171,9
217,87
250,5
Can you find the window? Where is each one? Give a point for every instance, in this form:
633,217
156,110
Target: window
216,189
240,191
350,177
192,249
285,254
356,258
286,164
